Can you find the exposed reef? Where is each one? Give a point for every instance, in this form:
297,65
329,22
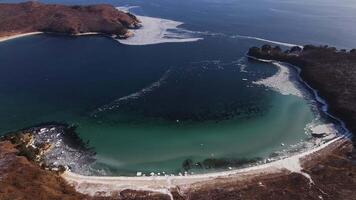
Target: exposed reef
330,71
29,17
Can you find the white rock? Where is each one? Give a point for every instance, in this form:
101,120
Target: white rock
139,174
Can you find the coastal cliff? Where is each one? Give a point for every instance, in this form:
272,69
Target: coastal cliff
32,16
330,71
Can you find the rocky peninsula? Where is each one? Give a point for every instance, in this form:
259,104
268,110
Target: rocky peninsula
34,17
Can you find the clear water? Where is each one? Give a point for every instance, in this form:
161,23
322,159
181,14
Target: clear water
203,105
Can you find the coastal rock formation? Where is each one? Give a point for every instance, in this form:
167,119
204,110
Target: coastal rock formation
38,17
330,71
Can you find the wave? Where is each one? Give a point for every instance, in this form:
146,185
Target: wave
135,95
156,31
266,40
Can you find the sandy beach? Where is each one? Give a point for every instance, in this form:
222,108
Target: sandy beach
106,186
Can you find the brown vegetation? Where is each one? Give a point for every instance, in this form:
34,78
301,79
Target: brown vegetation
33,16
21,179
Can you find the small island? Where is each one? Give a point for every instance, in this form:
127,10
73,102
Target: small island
33,17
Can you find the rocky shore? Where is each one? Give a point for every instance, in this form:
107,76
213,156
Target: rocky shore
53,147
34,17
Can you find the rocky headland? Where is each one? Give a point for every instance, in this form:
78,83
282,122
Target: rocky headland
34,17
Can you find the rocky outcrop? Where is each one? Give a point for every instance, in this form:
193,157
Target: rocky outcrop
38,17
330,71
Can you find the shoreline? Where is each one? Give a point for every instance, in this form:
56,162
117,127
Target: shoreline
20,35
92,185
319,100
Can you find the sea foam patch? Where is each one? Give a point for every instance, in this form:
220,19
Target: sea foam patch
156,31
282,81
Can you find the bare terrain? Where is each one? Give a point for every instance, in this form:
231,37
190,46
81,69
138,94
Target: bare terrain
34,17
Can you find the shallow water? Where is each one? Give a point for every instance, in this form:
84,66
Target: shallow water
150,108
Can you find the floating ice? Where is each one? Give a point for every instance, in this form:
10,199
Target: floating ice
126,8
321,129
156,31
282,81
266,40
136,95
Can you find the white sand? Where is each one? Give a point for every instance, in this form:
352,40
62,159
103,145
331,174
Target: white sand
2,39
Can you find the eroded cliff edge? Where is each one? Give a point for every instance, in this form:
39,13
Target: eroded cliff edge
33,16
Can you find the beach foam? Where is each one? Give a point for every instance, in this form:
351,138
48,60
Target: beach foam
282,81
156,31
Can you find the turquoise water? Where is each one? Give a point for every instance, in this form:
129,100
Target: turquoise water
191,100
202,108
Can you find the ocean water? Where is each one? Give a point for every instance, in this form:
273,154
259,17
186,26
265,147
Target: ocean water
149,108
